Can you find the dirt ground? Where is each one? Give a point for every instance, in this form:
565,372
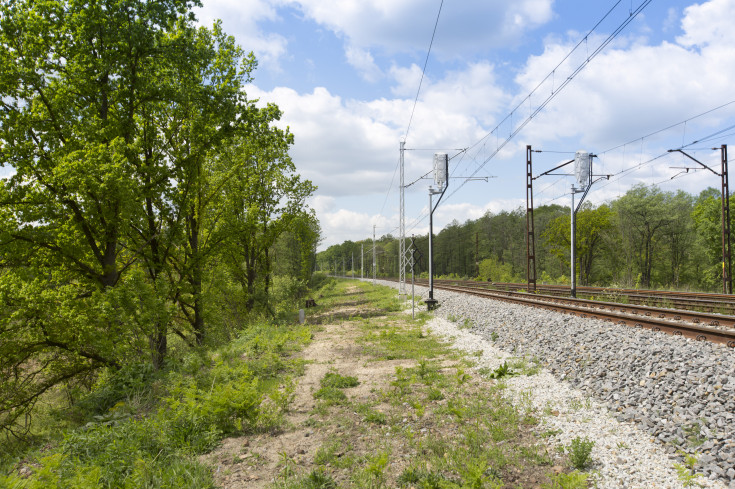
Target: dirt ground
257,461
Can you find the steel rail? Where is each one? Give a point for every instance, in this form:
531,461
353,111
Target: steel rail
623,314
705,301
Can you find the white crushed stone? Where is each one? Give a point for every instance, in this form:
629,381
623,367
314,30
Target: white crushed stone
624,456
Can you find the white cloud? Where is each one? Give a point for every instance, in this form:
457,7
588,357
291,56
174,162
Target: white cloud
363,62
708,23
631,90
240,19
343,225
406,25
322,203
350,147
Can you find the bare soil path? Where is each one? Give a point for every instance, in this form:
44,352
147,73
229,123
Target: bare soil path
407,418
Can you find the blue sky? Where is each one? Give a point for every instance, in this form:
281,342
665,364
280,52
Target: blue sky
346,74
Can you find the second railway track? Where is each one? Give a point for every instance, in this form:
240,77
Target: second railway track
701,326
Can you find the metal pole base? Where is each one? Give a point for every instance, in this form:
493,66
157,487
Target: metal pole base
431,304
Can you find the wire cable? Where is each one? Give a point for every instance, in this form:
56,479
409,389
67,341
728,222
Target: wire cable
423,71
554,93
415,102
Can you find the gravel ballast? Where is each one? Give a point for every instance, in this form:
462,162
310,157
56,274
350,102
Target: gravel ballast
644,397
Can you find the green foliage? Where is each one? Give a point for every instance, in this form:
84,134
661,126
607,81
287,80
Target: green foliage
319,279
492,270
198,418
117,386
502,371
154,206
331,387
318,479
209,394
337,381
572,480
331,395
592,225
686,473
580,451
657,238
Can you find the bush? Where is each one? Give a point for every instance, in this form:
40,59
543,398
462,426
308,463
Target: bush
580,451
116,386
318,280
496,271
197,419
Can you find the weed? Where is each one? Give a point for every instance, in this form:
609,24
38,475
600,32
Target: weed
333,379
413,477
434,395
572,480
332,384
461,377
331,395
287,466
575,404
686,476
693,434
373,474
419,408
526,366
371,415
533,453
334,453
502,371
550,433
580,451
318,479
477,474
494,336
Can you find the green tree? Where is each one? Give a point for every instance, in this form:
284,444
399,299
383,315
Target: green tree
642,218
592,224
262,199
707,221
75,81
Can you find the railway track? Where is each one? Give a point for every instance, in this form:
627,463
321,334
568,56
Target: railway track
702,301
698,325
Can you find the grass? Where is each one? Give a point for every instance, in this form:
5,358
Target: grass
431,424
140,429
428,423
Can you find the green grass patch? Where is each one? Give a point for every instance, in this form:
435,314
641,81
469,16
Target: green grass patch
333,379
144,429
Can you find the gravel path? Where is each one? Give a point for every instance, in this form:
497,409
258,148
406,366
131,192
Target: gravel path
645,398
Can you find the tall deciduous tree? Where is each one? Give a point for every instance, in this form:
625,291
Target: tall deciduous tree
643,218
592,224
109,114
262,198
73,81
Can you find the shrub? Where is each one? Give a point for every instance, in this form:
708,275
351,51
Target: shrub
580,451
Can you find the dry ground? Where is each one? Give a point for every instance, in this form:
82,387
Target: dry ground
408,412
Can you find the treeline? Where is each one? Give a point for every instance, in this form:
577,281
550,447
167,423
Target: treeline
647,238
152,205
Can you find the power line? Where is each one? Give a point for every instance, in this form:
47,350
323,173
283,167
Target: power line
673,126
418,91
423,71
554,93
640,165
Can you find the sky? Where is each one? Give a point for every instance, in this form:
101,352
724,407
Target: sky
346,75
